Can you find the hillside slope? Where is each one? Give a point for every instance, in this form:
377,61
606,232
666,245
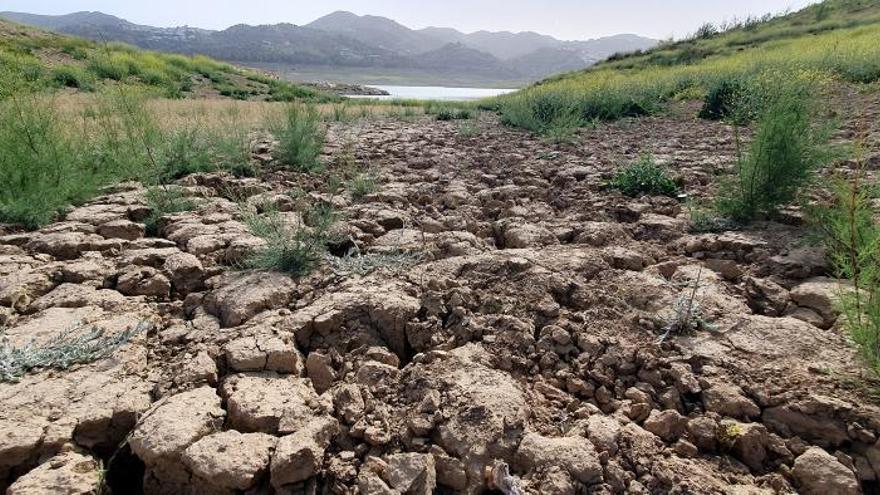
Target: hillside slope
47,59
834,40
343,39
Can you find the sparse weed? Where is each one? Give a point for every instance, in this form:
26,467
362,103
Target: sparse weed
300,138
644,177
468,130
782,158
291,248
362,185
687,314
164,200
851,236
69,348
356,263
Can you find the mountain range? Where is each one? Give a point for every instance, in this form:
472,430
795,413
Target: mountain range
346,40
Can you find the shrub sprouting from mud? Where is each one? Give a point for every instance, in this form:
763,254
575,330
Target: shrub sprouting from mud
300,138
782,158
164,200
292,245
644,178
851,235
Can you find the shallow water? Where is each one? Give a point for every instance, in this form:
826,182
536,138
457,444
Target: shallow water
436,93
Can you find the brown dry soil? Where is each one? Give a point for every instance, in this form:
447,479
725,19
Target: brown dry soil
523,334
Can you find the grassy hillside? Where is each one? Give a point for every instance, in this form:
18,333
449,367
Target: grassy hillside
45,60
836,40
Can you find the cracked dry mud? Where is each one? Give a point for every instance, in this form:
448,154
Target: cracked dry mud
526,333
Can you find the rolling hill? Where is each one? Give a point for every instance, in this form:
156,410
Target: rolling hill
346,40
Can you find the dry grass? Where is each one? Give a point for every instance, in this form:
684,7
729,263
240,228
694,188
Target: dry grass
173,114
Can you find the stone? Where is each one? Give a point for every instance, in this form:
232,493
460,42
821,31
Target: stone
748,442
299,456
263,352
143,281
229,459
69,473
319,368
63,245
729,400
819,473
268,402
172,425
603,431
702,432
668,425
19,289
121,229
574,454
411,473
185,272
246,295
521,234
821,294
625,259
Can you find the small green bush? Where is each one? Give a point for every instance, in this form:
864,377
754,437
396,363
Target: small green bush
73,77
851,235
43,167
782,158
724,99
644,177
362,185
107,67
164,200
449,113
295,249
300,138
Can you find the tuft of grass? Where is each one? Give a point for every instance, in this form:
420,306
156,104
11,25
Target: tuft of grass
290,248
69,348
164,200
300,138
362,185
644,177
782,158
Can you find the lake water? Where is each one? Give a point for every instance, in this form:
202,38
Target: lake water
436,93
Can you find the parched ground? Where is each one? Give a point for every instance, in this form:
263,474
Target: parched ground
521,332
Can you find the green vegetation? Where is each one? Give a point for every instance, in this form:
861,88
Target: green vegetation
41,166
644,178
89,66
362,185
851,236
840,44
448,113
164,200
300,138
69,348
290,247
782,158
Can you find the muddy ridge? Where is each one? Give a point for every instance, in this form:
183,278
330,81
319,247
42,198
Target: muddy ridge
521,336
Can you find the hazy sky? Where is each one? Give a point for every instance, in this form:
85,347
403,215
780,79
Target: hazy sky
567,19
